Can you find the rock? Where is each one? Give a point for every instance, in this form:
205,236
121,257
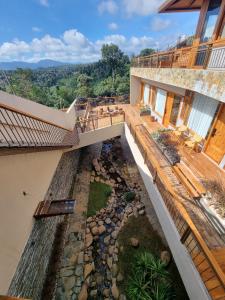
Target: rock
108,221
142,212
92,224
66,272
83,293
118,179
107,239
86,258
79,270
89,240
89,220
106,292
94,230
69,282
93,293
111,250
119,277
115,290
80,258
100,222
114,234
122,297
165,257
87,270
109,262
101,229
99,279
134,242
114,270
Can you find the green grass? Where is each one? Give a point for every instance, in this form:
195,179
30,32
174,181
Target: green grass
98,196
149,241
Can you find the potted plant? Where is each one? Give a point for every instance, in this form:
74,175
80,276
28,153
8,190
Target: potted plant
145,111
166,145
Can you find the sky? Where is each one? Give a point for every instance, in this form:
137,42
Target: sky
74,30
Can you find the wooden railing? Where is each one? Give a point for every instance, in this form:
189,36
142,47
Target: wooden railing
206,55
210,271
96,122
18,129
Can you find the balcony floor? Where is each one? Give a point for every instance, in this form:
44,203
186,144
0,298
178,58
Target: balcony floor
198,163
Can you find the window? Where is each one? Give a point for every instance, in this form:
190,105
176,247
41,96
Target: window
202,114
175,109
160,102
146,94
210,21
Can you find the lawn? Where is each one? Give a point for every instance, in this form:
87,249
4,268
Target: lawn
149,241
98,196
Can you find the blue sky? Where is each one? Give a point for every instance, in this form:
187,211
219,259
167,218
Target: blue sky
74,30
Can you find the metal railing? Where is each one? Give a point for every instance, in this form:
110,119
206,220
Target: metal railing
18,129
207,55
210,271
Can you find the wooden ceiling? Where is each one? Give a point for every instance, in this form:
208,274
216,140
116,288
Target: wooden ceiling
180,6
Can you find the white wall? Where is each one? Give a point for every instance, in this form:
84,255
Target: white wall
190,276
51,115
30,173
100,135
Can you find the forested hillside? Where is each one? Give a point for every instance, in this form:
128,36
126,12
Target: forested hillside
59,86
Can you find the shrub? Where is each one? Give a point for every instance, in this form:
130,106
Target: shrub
150,279
129,196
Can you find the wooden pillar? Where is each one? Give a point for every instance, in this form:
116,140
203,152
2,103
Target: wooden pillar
198,33
220,22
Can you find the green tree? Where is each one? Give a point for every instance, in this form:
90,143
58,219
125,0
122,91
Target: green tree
146,51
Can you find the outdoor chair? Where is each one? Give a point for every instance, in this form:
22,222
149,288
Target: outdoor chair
181,133
193,142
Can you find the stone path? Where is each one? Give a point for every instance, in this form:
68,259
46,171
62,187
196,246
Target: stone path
70,277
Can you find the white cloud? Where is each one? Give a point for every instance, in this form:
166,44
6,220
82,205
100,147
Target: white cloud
36,29
72,46
113,26
141,7
44,2
108,6
159,24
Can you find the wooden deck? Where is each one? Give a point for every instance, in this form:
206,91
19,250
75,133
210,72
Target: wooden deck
199,165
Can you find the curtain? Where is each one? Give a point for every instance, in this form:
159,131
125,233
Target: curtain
160,101
146,94
202,114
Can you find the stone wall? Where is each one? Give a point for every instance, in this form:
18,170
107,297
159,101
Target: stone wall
31,273
206,82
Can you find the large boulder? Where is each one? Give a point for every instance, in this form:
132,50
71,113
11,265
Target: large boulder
134,242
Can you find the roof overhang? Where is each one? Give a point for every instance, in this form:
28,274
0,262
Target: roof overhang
180,6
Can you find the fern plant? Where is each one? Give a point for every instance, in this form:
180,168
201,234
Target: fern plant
150,279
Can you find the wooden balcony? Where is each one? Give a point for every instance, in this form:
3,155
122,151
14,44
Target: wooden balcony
204,244
203,56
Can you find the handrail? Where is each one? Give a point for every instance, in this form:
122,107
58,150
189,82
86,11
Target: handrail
18,129
186,57
3,105
179,206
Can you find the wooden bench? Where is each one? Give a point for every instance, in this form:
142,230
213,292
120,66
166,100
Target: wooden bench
194,187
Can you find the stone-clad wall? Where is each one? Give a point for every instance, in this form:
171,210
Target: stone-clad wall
31,272
207,82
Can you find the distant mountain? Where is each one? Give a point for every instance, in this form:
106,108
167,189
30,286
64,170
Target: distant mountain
47,63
